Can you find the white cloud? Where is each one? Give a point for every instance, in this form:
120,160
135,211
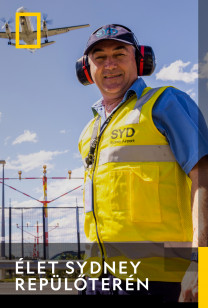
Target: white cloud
62,131
32,161
0,116
27,136
57,188
203,67
6,140
26,203
65,131
175,72
77,155
191,93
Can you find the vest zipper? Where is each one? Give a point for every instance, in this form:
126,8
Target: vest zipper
98,141
98,237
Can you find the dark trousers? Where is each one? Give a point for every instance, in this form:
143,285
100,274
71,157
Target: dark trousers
157,291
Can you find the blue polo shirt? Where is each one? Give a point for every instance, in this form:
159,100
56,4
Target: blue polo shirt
178,118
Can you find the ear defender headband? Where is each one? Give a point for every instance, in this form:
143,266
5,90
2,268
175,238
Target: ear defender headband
145,57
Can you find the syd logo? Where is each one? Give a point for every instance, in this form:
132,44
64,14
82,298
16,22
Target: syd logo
104,32
120,133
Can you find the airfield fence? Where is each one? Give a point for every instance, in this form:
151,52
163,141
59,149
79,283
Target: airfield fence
24,232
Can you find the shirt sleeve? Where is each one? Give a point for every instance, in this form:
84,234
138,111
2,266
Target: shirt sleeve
178,118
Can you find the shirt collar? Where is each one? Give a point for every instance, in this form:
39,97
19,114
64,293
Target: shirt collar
136,88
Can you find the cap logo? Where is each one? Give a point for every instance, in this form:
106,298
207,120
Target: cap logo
106,32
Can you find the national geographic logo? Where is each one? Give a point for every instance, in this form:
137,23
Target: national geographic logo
122,135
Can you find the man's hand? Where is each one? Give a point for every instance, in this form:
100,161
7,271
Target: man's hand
199,192
189,285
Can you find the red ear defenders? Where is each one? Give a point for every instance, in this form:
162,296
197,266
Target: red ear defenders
83,71
145,59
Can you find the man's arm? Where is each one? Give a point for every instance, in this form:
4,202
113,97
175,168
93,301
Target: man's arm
199,195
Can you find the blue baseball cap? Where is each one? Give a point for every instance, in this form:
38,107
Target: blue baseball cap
111,32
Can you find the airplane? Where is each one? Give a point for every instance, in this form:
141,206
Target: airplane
27,33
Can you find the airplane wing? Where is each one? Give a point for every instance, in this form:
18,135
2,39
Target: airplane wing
11,34
56,31
5,35
50,32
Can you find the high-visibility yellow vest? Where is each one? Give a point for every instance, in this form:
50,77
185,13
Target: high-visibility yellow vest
140,193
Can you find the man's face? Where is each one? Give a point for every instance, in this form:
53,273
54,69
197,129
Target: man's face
113,67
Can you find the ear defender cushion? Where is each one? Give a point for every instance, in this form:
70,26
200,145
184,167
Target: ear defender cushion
83,71
146,62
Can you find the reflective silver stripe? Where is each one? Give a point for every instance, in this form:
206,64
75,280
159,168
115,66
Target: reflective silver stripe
137,153
136,250
134,114
166,244
177,244
173,244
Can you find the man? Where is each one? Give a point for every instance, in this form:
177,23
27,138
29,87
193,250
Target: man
145,155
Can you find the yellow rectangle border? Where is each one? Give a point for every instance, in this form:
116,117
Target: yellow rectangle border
203,274
38,15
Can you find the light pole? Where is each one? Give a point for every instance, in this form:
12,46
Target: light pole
45,214
2,162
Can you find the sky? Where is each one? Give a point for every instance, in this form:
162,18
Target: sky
44,108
